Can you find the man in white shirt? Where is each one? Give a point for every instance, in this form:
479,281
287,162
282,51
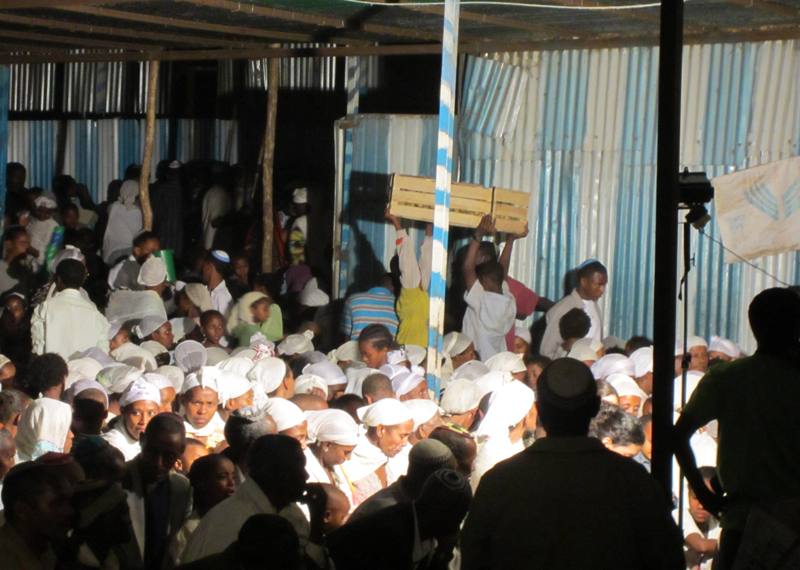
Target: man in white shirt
592,281
68,322
215,267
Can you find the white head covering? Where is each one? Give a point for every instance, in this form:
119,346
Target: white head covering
348,352
471,370
612,364
523,332
114,327
153,347
396,357
149,324
206,377
386,412
355,379
268,373
422,410
300,196
115,379
215,355
626,386
392,371
328,371
242,312
305,383
642,359
312,295
692,342
585,349
296,344
45,201
237,364
128,193
174,374
86,367
455,343
190,355
492,381
6,360
153,272
198,294
405,382
160,381
140,390
103,358
506,362
613,342
69,252
181,326
509,406
86,384
231,385
43,427
285,413
693,378
415,354
135,356
333,426
725,346
461,396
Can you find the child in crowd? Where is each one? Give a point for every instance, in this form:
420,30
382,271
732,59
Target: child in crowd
255,313
573,326
701,530
375,342
42,225
212,324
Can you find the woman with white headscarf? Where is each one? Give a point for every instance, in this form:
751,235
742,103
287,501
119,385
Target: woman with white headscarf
511,412
332,436
124,223
44,427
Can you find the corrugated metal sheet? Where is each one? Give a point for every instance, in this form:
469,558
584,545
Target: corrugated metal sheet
585,147
32,87
307,73
98,151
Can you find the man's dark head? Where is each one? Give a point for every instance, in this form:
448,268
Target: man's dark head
775,318
163,442
619,431
443,503
491,275
348,403
592,280
70,274
637,342
144,245
37,501
567,398
277,464
377,387
100,460
268,533
486,252
461,444
45,373
574,324
244,426
15,176
424,459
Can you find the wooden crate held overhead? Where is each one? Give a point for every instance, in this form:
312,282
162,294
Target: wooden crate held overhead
413,198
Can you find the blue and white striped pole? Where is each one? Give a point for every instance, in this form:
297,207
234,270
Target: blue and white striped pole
444,173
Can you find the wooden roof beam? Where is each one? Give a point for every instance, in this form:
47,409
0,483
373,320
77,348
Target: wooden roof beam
774,8
36,4
70,41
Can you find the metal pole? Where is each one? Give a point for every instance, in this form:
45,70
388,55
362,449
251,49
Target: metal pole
441,212
665,290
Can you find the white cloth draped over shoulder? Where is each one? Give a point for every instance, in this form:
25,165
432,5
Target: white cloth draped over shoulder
124,223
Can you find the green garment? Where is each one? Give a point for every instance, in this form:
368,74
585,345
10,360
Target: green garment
272,328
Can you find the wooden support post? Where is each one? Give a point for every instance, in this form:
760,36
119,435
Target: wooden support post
147,155
267,160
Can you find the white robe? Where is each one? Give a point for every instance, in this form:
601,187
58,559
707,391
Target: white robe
213,431
126,305
41,231
124,223
318,474
491,452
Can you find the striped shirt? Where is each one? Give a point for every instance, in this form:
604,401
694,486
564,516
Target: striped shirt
375,307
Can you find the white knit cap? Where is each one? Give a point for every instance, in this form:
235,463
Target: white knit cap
355,379
206,377
506,362
138,391
133,355
305,383
296,344
523,332
190,355
159,380
285,413
692,342
118,377
348,352
149,324
153,272
612,364
403,383
237,364
508,406
312,295
626,386
415,354
460,397
268,373
332,426
642,359
422,410
174,374
455,343
386,412
153,347
231,385
492,381
300,196
471,370
725,346
328,371
86,367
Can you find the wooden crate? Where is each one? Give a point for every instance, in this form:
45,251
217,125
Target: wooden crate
413,198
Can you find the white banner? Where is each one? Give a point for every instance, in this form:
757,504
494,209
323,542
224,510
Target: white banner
758,209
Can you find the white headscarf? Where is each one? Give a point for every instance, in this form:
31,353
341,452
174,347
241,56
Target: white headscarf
206,377
231,385
153,347
691,342
128,193
175,375
355,379
386,412
725,346
506,362
471,370
460,397
422,411
523,332
153,272
312,295
237,364
135,356
285,413
492,382
159,381
85,367
43,428
268,373
190,355
348,352
333,426
415,354
305,384
455,343
626,386
612,364
199,296
509,406
585,349
84,385
215,355
406,381
242,313
296,344
642,359
149,324
328,371
115,379
140,390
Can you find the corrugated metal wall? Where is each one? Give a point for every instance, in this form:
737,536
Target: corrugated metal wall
97,152
584,144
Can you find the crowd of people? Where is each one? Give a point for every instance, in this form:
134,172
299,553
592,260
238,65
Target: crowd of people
164,406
